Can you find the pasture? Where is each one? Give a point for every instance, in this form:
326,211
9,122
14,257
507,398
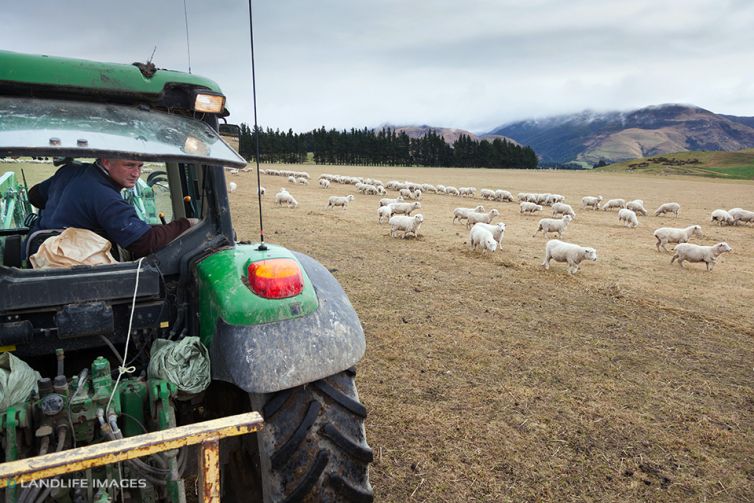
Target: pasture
490,379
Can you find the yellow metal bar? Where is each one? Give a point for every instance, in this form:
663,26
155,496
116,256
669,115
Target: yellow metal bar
210,472
74,460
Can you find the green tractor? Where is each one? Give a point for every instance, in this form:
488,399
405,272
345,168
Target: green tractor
263,327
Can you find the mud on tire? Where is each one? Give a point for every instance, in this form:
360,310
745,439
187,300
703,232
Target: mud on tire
313,446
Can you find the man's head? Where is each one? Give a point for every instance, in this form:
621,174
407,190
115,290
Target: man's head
125,173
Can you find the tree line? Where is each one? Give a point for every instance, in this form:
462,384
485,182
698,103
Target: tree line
384,147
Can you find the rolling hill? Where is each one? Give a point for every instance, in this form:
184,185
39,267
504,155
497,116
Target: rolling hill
717,164
589,137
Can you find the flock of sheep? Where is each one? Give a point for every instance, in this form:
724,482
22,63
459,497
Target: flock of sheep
488,236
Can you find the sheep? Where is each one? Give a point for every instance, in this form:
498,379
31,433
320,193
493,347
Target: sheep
324,183
553,225
467,191
689,252
741,215
404,208
386,200
285,197
452,191
668,208
479,237
343,201
487,194
417,194
497,230
474,217
721,217
637,206
407,225
531,208
232,187
614,203
591,202
562,209
261,190
406,193
628,217
665,235
291,179
384,212
503,195
551,199
463,213
573,254
302,181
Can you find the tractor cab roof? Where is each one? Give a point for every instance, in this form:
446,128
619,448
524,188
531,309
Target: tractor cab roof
56,77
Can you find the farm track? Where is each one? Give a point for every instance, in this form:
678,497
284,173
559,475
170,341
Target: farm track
490,379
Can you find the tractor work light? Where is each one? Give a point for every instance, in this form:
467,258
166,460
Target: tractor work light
209,102
277,278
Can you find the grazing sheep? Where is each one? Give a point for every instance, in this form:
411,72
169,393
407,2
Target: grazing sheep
406,194
665,235
467,191
232,187
404,208
551,199
573,254
343,201
497,230
302,181
475,217
530,208
553,225
384,212
503,195
637,206
261,190
487,194
452,191
721,217
291,179
407,225
285,197
741,215
417,194
668,208
689,252
628,217
591,202
562,209
324,183
463,213
385,200
614,203
479,237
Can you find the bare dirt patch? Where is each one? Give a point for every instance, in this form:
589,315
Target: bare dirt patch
490,379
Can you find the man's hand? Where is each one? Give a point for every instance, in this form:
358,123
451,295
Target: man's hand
193,221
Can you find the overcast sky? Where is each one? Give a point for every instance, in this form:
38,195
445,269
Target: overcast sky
471,64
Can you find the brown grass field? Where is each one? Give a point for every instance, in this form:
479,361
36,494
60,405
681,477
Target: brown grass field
488,378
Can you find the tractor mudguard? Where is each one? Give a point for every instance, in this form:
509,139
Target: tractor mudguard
281,354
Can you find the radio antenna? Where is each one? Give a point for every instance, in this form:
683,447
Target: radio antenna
261,246
188,46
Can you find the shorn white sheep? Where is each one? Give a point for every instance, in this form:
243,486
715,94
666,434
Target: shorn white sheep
741,215
562,209
573,254
665,235
628,217
475,217
324,183
404,208
668,208
553,225
530,208
232,187
591,202
637,206
689,252
463,213
285,197
384,212
721,217
479,237
406,225
343,201
497,230
614,203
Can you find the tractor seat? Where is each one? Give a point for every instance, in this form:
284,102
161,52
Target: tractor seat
36,239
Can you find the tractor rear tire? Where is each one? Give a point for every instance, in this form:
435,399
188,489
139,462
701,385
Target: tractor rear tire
313,445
